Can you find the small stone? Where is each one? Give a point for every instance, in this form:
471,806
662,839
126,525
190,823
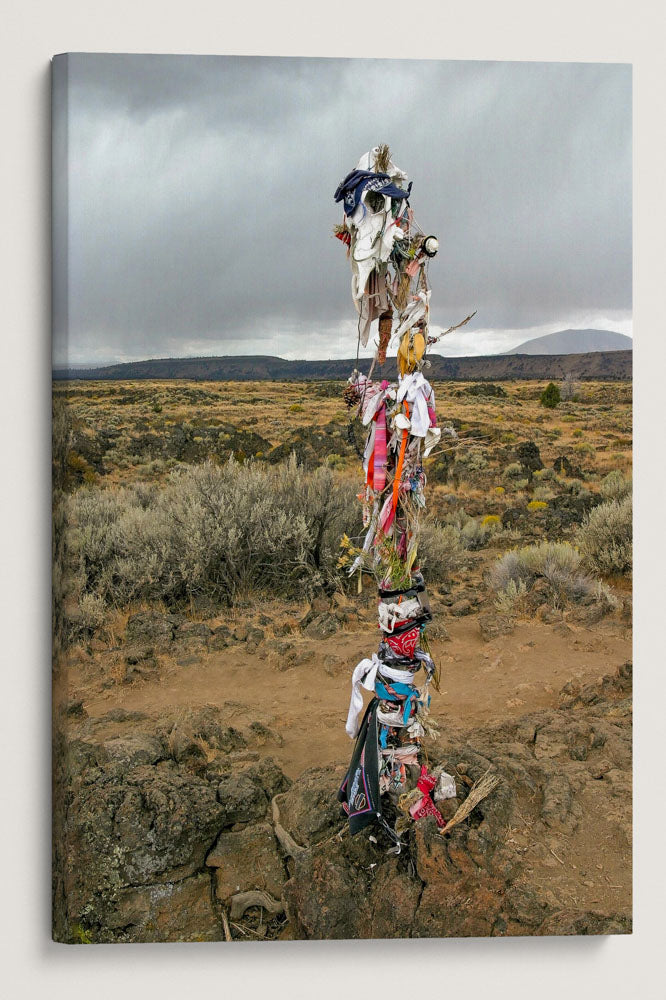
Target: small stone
492,626
187,661
286,628
221,637
151,628
75,709
334,665
563,630
322,627
460,608
196,632
448,808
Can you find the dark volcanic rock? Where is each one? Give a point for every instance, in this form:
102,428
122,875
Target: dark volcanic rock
247,859
327,897
149,628
472,882
145,849
310,809
322,627
193,633
312,445
172,911
568,510
126,828
529,457
485,389
241,799
564,467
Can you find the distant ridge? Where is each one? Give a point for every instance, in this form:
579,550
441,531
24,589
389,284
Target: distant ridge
606,366
575,342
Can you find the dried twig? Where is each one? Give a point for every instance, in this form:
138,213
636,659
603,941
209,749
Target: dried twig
287,842
225,924
382,159
456,327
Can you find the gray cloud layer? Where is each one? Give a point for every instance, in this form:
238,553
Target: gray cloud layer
201,208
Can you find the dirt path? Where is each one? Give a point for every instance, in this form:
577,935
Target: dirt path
482,683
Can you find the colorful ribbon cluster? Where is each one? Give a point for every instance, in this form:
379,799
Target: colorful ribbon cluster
389,257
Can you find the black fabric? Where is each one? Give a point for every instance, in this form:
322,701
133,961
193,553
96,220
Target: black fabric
417,586
359,792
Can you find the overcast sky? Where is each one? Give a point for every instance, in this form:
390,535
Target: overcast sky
200,199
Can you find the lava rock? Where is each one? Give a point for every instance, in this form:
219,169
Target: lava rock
247,859
241,799
149,628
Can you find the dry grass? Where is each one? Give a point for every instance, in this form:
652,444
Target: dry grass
479,791
601,416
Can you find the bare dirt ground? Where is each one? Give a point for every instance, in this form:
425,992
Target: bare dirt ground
483,683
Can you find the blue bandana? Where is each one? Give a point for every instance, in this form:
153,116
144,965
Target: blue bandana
349,191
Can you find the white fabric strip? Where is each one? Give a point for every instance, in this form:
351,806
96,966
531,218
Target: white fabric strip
365,674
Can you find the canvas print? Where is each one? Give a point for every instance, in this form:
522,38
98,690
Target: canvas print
342,499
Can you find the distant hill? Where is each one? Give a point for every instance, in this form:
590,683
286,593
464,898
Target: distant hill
604,366
575,342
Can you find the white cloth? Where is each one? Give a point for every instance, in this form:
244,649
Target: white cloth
389,614
412,313
373,235
432,436
445,787
369,447
417,391
365,675
394,718
367,162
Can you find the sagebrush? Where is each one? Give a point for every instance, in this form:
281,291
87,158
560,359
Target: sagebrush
559,564
605,537
220,531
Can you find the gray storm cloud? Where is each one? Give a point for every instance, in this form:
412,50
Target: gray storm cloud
200,199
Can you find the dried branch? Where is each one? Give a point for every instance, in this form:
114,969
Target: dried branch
287,842
452,328
225,924
254,897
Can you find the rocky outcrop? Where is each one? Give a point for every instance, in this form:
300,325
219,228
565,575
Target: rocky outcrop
155,841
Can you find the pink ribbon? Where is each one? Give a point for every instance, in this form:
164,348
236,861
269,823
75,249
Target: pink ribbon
379,454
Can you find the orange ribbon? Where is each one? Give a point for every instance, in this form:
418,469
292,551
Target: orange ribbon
398,471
